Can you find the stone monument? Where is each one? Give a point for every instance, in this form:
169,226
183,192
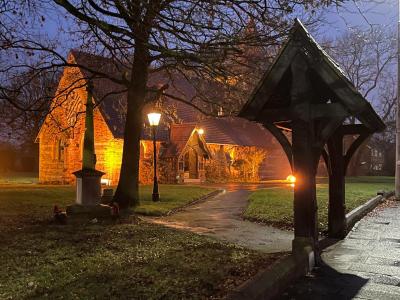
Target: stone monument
88,179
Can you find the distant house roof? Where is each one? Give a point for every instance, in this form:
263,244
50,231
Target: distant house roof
111,98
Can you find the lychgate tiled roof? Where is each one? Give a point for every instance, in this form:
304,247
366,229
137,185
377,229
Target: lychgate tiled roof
338,88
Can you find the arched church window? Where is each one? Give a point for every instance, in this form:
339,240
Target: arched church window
58,150
201,163
181,165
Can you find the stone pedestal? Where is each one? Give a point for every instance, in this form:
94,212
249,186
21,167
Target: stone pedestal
88,197
88,187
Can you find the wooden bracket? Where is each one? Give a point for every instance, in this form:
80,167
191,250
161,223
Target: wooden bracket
283,140
353,148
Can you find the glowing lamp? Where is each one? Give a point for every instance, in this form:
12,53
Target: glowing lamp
105,181
200,131
154,118
291,179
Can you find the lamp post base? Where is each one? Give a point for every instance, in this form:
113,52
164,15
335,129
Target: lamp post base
155,197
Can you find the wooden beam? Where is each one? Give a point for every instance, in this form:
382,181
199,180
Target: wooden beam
345,91
330,127
269,82
336,207
305,201
283,141
353,129
329,110
325,156
275,115
353,148
305,112
304,154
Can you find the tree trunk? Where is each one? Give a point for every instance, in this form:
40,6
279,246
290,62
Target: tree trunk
127,193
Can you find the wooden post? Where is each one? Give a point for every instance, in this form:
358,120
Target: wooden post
305,200
336,210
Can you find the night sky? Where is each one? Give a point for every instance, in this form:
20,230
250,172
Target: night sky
335,20
363,14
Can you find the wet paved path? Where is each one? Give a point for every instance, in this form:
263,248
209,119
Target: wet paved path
365,265
221,217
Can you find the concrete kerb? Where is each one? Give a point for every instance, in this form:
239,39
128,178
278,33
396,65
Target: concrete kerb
271,282
358,213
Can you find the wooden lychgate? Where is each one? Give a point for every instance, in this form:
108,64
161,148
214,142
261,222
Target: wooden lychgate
306,93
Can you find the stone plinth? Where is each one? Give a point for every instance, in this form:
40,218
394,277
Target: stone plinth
89,211
88,197
88,187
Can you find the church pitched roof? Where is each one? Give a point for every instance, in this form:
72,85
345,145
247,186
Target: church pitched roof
235,131
111,97
111,100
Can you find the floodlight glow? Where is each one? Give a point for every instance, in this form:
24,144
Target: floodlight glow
291,179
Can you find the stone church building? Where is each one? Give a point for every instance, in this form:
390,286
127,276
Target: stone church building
192,147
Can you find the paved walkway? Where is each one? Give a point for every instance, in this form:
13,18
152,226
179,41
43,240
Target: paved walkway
365,265
221,217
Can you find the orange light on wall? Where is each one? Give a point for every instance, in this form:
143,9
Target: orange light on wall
112,160
144,145
291,179
232,154
200,131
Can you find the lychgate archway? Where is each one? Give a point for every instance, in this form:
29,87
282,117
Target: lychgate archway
306,93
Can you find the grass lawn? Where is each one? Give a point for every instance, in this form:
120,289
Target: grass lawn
123,261
19,178
37,197
171,197
275,206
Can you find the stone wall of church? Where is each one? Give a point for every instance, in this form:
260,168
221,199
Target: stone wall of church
61,131
61,143
61,136
230,163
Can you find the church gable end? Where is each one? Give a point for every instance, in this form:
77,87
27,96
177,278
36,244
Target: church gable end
60,137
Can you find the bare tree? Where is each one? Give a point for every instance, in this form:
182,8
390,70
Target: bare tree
367,57
23,108
190,37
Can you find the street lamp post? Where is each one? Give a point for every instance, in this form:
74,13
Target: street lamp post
154,119
397,167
